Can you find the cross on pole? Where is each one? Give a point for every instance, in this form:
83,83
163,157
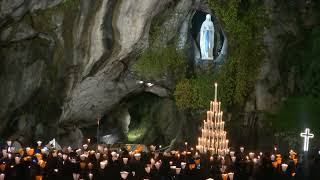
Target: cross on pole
306,135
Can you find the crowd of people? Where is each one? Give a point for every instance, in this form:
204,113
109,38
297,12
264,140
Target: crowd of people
101,163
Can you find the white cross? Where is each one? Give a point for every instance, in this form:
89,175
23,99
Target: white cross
306,135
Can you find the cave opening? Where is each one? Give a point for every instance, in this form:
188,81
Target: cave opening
133,120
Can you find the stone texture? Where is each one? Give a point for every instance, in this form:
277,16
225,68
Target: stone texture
21,31
16,9
158,90
100,92
75,61
269,77
165,123
97,48
21,78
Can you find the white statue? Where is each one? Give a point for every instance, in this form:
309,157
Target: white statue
207,39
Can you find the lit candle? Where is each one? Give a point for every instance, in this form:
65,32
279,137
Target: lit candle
217,104
231,175
222,126
215,120
224,176
251,155
284,167
227,144
202,131
90,176
241,149
272,157
215,91
232,153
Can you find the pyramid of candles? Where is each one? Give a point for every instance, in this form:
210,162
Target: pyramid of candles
213,136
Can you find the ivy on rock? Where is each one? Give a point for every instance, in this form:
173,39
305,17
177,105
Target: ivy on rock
156,63
244,23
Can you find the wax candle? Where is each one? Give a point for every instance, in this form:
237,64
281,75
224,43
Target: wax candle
284,167
231,174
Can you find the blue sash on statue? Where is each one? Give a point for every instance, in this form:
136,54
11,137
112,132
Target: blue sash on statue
206,42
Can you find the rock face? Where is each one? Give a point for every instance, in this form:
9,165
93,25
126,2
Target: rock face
271,87
70,60
269,91
66,62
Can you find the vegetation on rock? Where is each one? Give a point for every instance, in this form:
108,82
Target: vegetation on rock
303,57
301,109
194,93
244,23
295,114
156,63
69,3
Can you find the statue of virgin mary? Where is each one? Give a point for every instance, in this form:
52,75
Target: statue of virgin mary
207,39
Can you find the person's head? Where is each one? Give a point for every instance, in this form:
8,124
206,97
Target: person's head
103,164
90,166
152,161
197,161
157,164
192,166
183,165
64,156
17,159
4,153
114,156
85,146
208,17
39,143
82,157
54,153
21,152
69,149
